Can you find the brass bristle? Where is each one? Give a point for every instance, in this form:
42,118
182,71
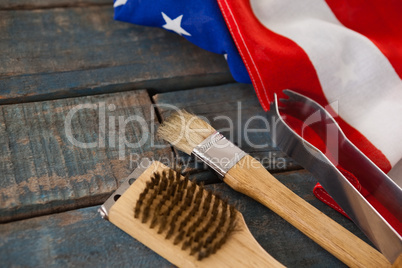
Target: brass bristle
200,191
137,209
185,181
151,184
163,222
178,175
184,130
157,178
192,217
179,238
147,208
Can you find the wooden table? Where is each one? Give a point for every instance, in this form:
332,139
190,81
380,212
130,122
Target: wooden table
57,55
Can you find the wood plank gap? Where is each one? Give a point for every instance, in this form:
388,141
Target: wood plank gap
80,237
292,169
154,86
160,119
80,51
42,171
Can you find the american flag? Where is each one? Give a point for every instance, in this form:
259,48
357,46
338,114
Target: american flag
344,54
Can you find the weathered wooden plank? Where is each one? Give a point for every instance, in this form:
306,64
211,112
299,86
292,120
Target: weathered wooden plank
81,237
45,169
234,110
32,4
64,52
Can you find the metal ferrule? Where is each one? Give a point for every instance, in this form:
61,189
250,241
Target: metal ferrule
218,153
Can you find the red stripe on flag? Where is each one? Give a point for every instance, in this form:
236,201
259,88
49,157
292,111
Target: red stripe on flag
379,21
275,63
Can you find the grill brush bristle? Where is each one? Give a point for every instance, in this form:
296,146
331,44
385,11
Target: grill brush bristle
185,213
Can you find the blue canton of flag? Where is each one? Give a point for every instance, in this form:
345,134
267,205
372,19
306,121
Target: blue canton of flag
199,21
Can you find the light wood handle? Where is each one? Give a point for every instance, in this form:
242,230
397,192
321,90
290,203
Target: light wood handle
240,249
398,262
251,178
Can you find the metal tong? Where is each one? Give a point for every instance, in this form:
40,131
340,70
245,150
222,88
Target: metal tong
364,215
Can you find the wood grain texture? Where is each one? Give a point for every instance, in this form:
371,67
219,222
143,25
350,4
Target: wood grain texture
43,171
239,250
65,52
249,177
82,238
231,109
32,4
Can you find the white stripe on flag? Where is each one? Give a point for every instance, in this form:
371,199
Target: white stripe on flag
119,3
354,74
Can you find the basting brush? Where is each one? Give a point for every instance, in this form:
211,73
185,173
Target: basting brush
183,222
245,174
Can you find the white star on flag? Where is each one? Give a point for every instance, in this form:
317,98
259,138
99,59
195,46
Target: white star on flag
174,25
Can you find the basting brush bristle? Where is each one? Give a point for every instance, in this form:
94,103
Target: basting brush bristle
186,213
184,130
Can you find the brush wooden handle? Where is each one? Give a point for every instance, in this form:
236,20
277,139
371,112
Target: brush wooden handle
251,178
398,262
240,249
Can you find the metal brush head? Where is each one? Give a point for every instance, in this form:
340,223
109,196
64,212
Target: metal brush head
185,213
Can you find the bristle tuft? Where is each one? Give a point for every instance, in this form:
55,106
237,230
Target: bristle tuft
184,130
185,213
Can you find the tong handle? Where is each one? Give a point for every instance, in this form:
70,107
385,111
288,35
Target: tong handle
251,178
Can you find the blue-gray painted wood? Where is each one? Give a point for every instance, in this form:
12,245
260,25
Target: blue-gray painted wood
57,49
65,52
82,238
40,4
42,171
230,109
